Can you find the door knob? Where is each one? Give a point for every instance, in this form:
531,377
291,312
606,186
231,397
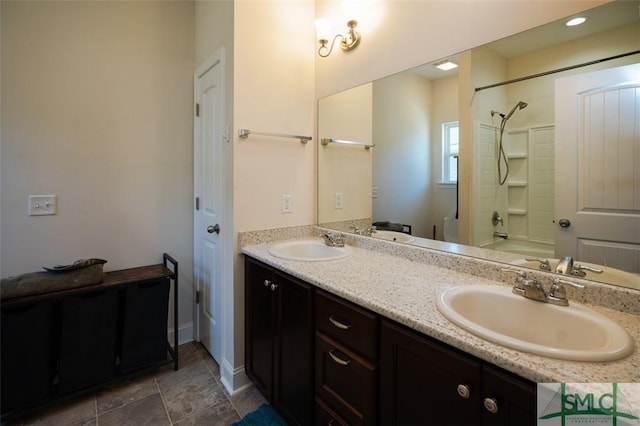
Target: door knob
213,229
564,223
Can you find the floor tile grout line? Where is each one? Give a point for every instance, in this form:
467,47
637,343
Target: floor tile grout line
95,406
164,404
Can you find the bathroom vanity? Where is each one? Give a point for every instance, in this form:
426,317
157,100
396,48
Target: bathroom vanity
379,351
368,369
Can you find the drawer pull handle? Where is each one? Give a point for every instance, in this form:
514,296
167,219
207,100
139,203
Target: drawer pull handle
339,324
337,359
464,391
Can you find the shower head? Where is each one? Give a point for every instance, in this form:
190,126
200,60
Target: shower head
519,105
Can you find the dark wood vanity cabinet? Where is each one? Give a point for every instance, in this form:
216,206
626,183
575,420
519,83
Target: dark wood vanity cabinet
279,339
346,362
425,382
318,358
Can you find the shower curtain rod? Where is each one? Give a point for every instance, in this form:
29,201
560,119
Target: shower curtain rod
542,74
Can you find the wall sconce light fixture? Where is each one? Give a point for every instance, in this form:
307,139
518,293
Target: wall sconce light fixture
323,32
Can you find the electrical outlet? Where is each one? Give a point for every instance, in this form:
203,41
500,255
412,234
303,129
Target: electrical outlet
287,207
339,199
375,192
40,205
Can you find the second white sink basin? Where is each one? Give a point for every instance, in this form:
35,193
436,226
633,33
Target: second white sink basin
308,251
400,237
572,332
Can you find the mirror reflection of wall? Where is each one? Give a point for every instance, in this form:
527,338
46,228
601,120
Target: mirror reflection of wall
344,180
409,111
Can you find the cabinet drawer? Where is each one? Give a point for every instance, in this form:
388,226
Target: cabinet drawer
349,325
326,416
345,381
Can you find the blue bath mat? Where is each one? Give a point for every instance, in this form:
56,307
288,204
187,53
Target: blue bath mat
265,415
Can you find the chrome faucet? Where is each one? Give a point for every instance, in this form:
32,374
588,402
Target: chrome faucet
532,289
565,266
357,230
333,239
370,231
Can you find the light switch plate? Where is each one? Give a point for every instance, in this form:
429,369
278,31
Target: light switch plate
339,200
287,207
40,205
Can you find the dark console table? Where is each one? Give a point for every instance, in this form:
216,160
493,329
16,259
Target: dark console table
59,344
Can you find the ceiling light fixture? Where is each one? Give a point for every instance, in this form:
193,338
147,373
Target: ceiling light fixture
575,21
323,32
446,65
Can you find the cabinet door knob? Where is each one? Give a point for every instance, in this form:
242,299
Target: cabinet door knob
464,391
274,287
267,283
337,359
491,405
339,324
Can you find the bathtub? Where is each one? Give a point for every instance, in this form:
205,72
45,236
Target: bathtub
523,248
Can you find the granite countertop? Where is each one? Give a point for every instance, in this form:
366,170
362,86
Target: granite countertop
406,290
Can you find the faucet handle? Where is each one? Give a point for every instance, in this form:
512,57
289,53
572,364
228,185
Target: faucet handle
520,278
544,263
557,292
356,230
579,269
520,274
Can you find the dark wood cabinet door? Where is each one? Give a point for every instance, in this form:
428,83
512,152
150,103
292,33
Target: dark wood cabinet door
293,386
145,310
421,381
87,339
514,398
28,360
260,319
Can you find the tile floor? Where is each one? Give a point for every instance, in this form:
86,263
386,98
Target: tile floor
193,395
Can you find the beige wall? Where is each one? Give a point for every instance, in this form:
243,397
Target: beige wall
96,108
402,126
397,35
444,109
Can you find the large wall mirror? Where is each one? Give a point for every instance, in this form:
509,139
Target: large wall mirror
548,124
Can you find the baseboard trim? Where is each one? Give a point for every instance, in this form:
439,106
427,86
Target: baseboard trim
235,380
185,333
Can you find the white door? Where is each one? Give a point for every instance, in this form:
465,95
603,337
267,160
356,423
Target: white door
597,163
208,188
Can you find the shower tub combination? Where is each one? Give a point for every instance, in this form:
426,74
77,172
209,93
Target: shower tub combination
524,248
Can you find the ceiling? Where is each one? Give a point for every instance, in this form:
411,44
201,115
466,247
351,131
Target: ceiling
609,16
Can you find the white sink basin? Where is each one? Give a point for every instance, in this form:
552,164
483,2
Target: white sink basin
308,251
400,237
608,275
572,332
